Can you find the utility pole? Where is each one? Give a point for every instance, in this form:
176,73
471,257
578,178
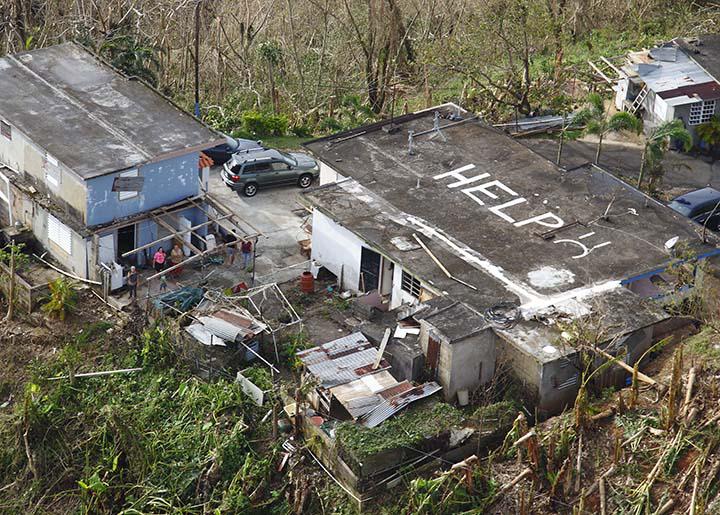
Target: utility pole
198,3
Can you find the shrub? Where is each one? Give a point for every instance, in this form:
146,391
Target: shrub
62,298
264,124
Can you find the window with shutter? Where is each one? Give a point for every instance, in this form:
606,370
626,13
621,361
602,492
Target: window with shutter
60,234
127,195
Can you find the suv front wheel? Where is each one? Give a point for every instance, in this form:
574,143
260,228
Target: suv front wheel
305,180
250,189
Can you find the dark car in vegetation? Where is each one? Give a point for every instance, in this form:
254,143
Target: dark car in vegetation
248,172
701,206
221,153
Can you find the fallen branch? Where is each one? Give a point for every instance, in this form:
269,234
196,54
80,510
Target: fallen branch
601,487
68,274
665,508
642,377
524,438
525,473
439,264
688,392
603,414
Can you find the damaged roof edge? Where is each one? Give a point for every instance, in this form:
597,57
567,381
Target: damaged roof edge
380,124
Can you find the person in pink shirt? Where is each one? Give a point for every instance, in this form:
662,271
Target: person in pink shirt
159,259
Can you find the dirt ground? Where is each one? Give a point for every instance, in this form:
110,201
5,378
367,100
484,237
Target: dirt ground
35,338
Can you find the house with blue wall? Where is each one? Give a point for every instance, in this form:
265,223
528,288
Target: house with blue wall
101,167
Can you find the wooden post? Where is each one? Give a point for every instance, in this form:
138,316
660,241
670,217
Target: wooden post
11,295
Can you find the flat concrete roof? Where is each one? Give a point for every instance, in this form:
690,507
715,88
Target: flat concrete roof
90,117
499,216
705,51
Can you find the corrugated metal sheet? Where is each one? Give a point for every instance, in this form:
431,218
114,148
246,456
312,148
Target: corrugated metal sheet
201,334
221,328
232,325
390,407
341,361
363,394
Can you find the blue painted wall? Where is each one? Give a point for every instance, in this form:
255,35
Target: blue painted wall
166,182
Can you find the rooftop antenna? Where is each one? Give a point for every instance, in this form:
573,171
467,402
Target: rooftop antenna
411,151
436,126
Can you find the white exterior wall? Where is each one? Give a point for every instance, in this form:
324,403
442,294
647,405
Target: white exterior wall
76,260
337,249
23,155
328,174
399,296
661,109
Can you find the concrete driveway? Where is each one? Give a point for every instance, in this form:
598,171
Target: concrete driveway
276,214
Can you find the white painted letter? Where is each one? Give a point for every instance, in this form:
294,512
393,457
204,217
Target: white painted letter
484,188
461,179
540,221
498,209
583,247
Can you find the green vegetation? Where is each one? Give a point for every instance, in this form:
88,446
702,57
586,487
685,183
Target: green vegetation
709,133
155,441
598,123
408,429
62,298
656,145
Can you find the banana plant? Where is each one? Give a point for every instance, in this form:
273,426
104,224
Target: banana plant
657,144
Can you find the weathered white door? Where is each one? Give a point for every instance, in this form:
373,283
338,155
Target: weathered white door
106,252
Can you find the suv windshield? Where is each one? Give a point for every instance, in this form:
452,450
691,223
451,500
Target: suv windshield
290,159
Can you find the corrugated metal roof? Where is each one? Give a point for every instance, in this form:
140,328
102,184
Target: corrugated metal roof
221,328
667,75
393,405
363,394
231,325
341,361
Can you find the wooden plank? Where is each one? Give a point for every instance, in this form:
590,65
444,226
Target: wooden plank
599,72
381,350
223,208
169,237
182,204
612,66
173,230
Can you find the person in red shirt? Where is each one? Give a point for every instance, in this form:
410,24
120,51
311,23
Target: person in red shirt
159,260
246,248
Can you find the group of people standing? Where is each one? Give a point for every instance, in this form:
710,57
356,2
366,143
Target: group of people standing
162,261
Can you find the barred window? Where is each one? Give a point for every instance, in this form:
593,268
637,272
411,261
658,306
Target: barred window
701,112
410,285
